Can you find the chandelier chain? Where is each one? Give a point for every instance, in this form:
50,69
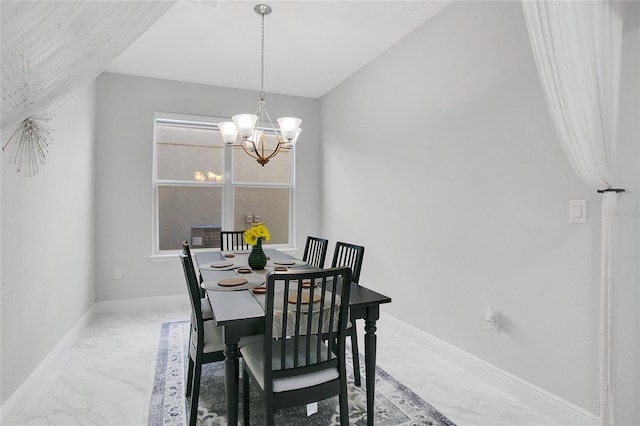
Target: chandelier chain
262,63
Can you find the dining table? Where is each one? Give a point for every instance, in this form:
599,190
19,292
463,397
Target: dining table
239,313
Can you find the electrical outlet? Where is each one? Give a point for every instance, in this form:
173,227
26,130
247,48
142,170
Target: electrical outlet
249,218
117,274
492,317
256,218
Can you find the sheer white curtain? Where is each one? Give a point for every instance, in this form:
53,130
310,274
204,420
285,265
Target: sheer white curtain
63,44
577,48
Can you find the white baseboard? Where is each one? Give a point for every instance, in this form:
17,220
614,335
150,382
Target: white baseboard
545,402
47,364
124,305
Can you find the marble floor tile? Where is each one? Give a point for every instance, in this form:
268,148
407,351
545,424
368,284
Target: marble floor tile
118,413
106,378
472,402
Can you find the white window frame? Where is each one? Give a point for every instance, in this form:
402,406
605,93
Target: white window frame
227,184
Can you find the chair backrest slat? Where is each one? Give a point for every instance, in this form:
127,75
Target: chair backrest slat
315,251
323,298
296,340
285,319
350,255
187,251
233,240
193,288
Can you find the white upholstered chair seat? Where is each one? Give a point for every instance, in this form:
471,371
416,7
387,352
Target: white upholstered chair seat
253,356
213,341
207,313
212,338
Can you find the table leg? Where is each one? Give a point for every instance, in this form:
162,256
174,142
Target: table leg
370,342
231,373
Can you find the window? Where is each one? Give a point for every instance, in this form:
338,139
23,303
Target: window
202,187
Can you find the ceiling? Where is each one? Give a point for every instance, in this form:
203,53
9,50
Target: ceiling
310,45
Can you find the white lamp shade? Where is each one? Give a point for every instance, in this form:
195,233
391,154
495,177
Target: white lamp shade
294,140
289,127
245,124
229,131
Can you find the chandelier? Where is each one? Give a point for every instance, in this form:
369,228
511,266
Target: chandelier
249,130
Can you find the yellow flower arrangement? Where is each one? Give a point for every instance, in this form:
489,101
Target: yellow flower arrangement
258,230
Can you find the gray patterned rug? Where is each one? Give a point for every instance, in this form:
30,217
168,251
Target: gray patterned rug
395,405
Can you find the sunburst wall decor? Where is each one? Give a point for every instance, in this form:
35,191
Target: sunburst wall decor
20,87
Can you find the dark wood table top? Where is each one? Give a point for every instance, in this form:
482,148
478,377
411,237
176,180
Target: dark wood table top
362,296
236,307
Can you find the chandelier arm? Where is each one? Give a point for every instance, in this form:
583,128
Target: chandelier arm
278,136
265,111
275,151
247,151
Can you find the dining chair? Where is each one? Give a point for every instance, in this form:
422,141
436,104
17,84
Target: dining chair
187,248
315,251
293,366
233,240
351,255
206,343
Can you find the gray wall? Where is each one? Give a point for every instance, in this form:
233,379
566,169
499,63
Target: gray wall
47,243
449,127
124,155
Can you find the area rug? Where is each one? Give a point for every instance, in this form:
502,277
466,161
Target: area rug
395,405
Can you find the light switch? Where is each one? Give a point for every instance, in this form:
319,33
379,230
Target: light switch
578,211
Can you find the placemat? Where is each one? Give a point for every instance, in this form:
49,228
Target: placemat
253,280
232,282
289,263
230,264
304,297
